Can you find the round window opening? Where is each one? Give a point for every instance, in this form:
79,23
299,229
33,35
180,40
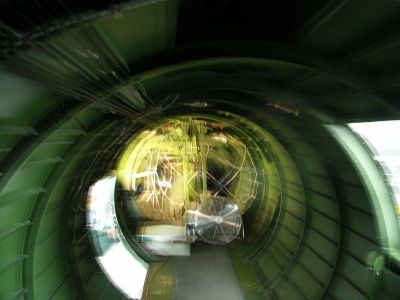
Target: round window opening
183,163
183,180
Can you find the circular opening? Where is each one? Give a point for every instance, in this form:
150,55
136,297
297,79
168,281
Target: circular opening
183,162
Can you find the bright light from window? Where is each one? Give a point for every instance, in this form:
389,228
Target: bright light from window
120,263
383,138
126,272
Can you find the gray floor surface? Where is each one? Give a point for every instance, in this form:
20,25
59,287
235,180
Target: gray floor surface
206,275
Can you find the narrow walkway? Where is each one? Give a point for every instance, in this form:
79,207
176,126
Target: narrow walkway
206,275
